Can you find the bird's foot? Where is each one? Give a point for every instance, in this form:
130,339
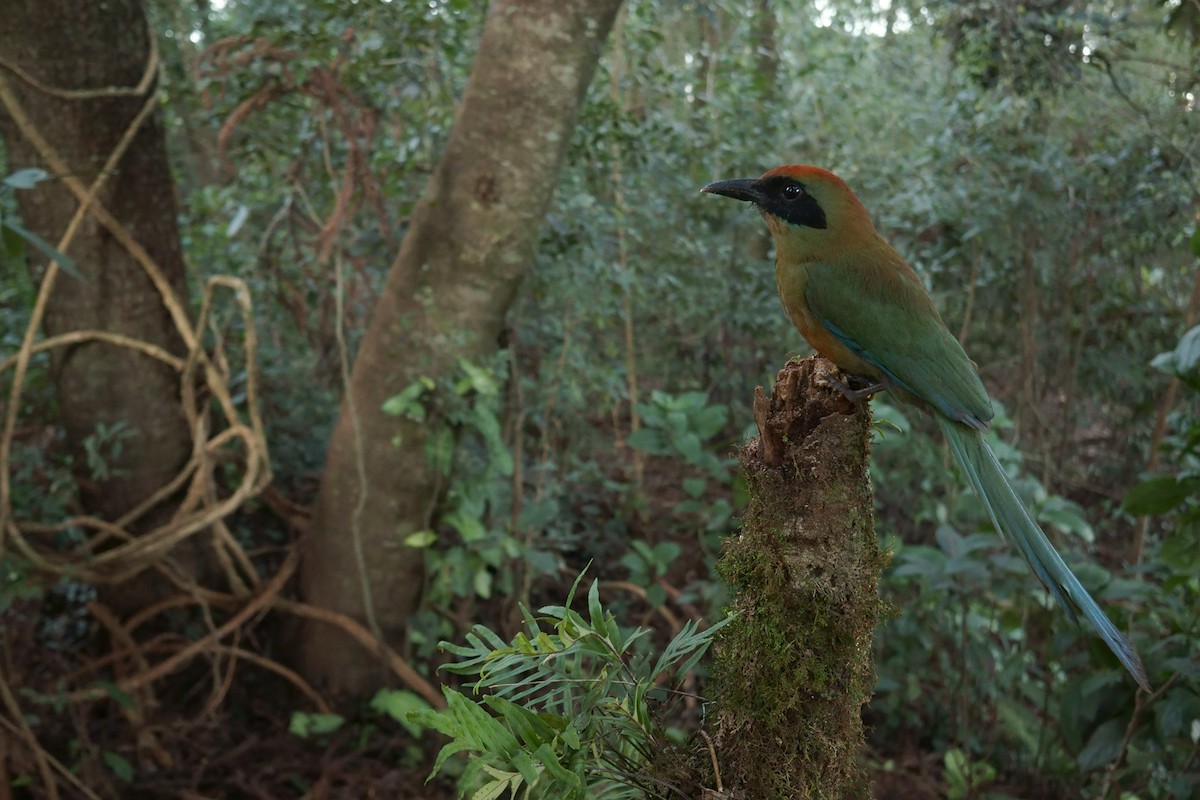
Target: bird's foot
852,394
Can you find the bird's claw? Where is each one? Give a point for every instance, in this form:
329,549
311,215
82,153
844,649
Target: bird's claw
851,394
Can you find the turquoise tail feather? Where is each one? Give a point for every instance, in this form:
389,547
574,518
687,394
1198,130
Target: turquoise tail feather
1017,525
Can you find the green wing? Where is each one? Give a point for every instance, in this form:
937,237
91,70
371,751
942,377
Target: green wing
884,315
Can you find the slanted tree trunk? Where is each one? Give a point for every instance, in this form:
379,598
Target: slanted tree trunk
102,390
794,669
470,240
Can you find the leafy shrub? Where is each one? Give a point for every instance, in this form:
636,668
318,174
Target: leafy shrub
572,708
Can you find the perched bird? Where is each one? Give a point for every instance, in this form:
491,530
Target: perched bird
860,305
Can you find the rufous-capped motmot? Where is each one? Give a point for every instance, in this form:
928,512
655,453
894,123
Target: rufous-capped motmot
860,305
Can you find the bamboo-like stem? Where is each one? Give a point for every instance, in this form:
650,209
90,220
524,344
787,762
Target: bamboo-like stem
638,460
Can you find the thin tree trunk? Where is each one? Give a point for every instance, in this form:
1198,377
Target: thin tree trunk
766,85
470,241
795,668
1165,404
127,401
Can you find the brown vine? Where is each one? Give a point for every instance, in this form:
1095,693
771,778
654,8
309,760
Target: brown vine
111,552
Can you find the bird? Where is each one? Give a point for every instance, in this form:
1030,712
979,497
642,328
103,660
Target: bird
859,304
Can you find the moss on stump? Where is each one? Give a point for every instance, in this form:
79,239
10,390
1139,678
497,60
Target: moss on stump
795,668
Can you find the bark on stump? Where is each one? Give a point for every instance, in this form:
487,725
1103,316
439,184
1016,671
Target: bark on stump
794,669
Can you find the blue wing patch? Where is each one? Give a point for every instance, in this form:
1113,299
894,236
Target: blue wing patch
955,413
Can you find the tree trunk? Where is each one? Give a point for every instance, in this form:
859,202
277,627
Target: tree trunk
101,389
470,241
794,669
766,83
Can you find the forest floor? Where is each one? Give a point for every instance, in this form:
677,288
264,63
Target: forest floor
191,740
220,727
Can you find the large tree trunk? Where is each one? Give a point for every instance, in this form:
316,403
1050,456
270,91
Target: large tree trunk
470,241
72,46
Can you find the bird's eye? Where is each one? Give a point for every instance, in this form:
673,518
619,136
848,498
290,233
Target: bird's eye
792,191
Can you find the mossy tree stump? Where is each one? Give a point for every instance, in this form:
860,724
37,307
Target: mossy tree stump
794,669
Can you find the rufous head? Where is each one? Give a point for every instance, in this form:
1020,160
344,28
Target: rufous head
798,200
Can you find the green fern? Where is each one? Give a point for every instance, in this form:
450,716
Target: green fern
567,707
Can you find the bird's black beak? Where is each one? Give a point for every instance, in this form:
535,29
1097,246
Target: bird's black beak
738,189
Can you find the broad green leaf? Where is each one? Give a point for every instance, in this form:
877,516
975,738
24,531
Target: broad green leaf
118,764
595,611
399,705
439,449
570,737
504,782
239,219
1184,360
538,514
478,379
1066,516
499,787
65,263
482,583
665,554
649,441
1020,722
407,403
470,526
709,421
12,244
1187,352
420,539
488,425
26,178
1181,550
1159,494
305,725
531,729
689,446
118,694
887,416
549,760
949,540
1103,746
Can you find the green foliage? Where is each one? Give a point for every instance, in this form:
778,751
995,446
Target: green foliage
648,563
964,778
680,426
118,764
16,582
517,739
970,610
1165,745
1160,494
572,709
487,543
1177,494
305,724
1184,361
1037,189
466,447
106,445
684,428
14,236
398,704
